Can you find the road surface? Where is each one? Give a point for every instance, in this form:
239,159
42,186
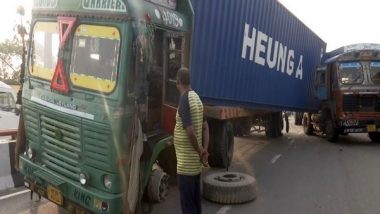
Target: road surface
295,174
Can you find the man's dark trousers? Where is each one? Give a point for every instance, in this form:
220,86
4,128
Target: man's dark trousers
190,194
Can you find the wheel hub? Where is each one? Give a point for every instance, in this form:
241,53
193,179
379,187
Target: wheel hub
229,178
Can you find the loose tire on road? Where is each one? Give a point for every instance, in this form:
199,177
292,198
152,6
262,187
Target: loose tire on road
229,188
158,186
374,136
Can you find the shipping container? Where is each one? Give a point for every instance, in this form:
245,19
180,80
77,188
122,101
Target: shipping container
253,54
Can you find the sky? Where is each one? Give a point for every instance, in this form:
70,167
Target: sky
337,22
9,17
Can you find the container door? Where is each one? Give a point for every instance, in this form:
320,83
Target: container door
173,60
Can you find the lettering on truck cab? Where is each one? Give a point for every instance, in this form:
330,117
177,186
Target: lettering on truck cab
262,52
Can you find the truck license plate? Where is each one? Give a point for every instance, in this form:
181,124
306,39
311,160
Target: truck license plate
371,128
54,195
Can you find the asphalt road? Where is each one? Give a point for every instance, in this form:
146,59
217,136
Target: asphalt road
295,174
300,174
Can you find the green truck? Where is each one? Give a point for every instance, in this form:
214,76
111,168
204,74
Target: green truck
99,93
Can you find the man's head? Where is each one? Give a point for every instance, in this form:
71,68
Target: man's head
183,79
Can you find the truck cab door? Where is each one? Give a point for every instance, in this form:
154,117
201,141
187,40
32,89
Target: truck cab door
321,83
173,60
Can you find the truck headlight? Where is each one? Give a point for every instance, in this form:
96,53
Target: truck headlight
107,182
83,178
30,153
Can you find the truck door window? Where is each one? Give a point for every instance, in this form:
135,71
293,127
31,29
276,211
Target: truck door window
375,72
95,56
44,50
174,63
351,73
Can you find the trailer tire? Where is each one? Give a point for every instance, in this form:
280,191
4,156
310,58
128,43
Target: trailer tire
273,127
307,125
374,136
242,126
229,188
331,132
298,118
222,149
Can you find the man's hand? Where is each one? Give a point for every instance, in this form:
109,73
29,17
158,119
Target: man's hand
204,158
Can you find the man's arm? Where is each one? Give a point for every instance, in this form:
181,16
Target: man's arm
205,142
194,141
205,135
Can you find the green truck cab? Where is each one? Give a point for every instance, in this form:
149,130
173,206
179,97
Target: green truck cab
87,112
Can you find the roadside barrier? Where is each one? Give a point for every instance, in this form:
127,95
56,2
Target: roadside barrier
9,177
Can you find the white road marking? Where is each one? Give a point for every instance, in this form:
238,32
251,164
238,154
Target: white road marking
275,158
13,194
224,210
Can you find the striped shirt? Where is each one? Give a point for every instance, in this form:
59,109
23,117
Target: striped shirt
188,161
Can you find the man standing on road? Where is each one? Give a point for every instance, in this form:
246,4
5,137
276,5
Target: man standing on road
191,139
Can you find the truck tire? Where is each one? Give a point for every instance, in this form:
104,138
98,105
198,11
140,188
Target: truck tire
298,118
242,126
158,186
222,141
374,136
229,188
306,123
273,125
331,132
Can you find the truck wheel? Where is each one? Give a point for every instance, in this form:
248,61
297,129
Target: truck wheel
298,118
273,125
374,136
242,126
331,131
306,123
222,148
158,186
229,188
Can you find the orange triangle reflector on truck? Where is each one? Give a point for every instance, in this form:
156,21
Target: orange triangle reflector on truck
65,26
59,81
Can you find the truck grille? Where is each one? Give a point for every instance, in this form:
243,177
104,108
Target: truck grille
357,103
66,145
61,146
97,143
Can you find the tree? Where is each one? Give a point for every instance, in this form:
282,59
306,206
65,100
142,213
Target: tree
10,60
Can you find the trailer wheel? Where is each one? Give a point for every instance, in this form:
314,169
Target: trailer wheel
222,140
298,118
242,126
374,136
273,126
158,186
307,125
331,131
229,188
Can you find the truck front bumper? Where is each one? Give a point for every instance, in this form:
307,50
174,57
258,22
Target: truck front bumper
68,193
359,126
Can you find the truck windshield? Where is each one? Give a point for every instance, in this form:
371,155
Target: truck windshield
94,59
375,72
44,49
351,73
